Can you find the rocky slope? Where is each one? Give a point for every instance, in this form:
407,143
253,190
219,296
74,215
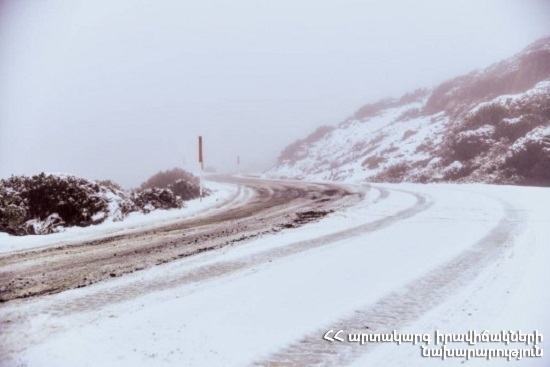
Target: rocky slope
488,126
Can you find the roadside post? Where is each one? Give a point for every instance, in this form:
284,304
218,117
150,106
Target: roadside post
201,162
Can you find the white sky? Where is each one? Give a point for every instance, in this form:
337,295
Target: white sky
120,89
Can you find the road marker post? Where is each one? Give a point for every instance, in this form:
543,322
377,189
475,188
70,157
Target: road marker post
201,162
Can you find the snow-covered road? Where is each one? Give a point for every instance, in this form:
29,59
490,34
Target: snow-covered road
268,207
411,258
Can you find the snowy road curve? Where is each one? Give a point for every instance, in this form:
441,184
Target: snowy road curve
405,257
269,207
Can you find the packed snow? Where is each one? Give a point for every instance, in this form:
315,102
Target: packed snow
441,257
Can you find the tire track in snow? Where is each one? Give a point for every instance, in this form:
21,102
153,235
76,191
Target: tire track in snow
226,268
221,269
54,269
400,307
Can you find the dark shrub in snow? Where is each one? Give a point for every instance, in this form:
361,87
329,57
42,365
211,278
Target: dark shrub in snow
46,203
155,198
185,189
180,182
38,204
490,114
470,143
530,158
394,173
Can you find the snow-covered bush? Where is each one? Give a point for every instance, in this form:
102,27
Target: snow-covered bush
147,200
186,190
468,144
52,200
47,203
180,182
487,114
529,157
456,171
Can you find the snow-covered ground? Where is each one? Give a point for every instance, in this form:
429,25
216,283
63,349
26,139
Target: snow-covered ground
411,258
223,195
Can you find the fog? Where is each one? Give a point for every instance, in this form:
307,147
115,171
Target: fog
121,89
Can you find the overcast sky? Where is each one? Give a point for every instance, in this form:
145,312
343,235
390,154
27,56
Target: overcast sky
120,89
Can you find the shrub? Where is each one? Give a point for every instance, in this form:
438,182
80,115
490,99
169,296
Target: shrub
470,143
514,128
490,114
150,199
12,214
180,182
394,173
456,171
185,190
163,179
74,201
373,161
407,134
44,203
531,161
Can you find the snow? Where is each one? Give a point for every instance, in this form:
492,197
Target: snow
540,89
135,221
537,134
341,153
283,288
511,121
453,167
367,149
485,130
509,295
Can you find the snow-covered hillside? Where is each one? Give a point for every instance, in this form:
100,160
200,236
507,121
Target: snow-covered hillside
487,126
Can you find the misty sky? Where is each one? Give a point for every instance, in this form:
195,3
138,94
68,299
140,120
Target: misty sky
120,89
